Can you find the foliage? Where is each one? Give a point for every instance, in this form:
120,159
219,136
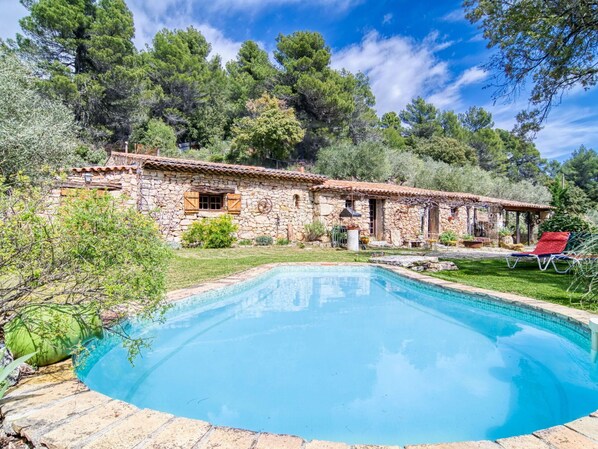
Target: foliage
392,130
211,233
94,252
7,370
315,230
189,90
156,134
582,170
281,241
270,132
568,199
467,238
37,135
448,237
585,273
475,119
446,149
554,44
264,240
563,222
367,161
245,242
421,118
85,51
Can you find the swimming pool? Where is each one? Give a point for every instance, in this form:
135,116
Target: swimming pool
355,354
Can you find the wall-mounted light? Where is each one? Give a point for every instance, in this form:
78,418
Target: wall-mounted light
87,177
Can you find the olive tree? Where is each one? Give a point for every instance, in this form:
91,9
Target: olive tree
37,135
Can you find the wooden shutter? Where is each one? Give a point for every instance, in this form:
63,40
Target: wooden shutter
191,202
233,203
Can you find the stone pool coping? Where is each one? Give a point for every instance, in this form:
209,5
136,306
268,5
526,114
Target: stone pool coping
53,409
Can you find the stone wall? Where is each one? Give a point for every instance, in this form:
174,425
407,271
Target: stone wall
162,193
328,206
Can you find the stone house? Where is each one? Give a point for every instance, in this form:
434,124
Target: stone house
279,203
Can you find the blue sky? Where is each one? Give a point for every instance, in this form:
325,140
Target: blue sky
407,48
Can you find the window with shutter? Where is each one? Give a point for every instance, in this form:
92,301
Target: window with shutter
191,202
233,203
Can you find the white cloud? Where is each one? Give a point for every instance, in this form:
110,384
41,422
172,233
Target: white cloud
450,96
12,11
568,127
457,15
387,18
401,68
152,16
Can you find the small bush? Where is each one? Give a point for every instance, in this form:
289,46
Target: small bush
564,223
245,242
264,240
211,233
282,241
301,245
314,231
468,238
448,236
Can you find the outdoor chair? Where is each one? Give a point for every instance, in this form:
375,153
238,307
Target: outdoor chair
549,245
570,257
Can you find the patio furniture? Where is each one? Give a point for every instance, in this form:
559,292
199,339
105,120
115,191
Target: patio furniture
569,256
550,244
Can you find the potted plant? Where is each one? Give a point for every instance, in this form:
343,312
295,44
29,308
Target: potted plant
448,238
505,237
469,241
364,240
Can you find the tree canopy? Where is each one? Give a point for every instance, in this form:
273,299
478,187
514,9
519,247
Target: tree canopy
553,44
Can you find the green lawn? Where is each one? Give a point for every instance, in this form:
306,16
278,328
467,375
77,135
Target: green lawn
526,279
193,266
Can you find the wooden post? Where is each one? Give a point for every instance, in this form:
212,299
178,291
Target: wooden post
475,220
518,232
469,220
529,228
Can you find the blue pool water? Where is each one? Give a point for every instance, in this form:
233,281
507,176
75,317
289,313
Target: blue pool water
354,354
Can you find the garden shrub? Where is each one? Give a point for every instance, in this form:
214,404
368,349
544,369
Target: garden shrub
264,240
282,241
585,273
92,255
448,236
314,231
245,242
564,223
210,233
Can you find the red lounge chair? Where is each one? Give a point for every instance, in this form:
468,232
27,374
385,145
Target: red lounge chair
550,244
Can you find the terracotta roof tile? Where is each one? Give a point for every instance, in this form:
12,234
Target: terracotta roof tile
394,189
103,168
190,165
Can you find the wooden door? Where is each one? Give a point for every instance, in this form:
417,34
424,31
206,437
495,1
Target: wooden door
433,222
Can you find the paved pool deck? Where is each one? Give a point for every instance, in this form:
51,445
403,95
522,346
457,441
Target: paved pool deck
54,410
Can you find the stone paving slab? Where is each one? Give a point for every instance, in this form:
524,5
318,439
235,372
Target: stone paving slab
180,433
34,425
73,433
229,438
273,441
587,426
561,437
523,442
133,430
19,403
317,444
463,445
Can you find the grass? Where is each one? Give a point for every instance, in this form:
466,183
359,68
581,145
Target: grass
526,280
194,266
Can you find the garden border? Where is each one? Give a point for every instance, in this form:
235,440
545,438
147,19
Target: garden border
54,409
